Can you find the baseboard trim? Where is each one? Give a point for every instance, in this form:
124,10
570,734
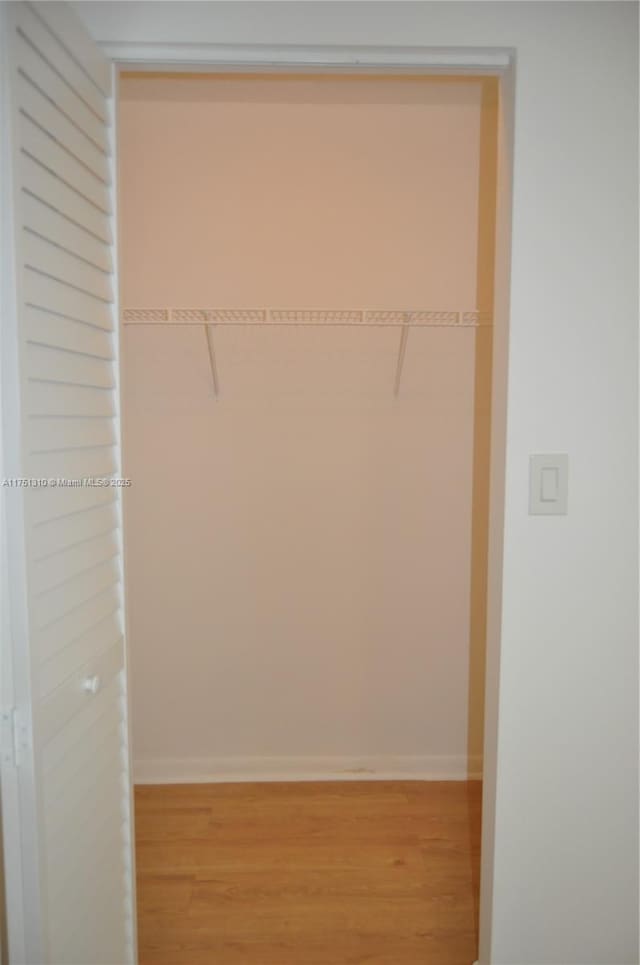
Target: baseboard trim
227,770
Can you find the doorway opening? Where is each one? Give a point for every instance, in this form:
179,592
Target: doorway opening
307,267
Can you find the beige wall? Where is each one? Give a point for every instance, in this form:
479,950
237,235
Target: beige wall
304,578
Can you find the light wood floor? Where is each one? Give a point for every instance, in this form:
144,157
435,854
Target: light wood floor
308,874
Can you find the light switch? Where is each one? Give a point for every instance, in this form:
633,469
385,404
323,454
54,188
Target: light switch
548,484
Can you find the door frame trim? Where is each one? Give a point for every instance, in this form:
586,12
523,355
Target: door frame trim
308,57
379,60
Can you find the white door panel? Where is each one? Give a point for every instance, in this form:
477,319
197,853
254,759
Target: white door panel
66,792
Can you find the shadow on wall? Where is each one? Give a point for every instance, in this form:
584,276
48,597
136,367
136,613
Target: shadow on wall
482,415
291,88
482,424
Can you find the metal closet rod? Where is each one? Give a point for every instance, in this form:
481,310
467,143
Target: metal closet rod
208,318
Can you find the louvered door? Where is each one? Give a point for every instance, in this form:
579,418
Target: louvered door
70,779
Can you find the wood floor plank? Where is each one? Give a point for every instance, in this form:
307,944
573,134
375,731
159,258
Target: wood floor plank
169,824
384,873
165,895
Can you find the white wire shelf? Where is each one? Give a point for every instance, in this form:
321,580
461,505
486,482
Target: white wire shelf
422,318
402,319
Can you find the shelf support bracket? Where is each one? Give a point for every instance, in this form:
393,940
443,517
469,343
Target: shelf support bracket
208,330
404,335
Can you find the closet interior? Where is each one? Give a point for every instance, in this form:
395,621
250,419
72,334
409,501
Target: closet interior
306,291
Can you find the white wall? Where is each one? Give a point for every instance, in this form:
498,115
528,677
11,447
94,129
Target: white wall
565,855
299,552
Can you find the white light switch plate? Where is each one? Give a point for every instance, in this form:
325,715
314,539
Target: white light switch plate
549,484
